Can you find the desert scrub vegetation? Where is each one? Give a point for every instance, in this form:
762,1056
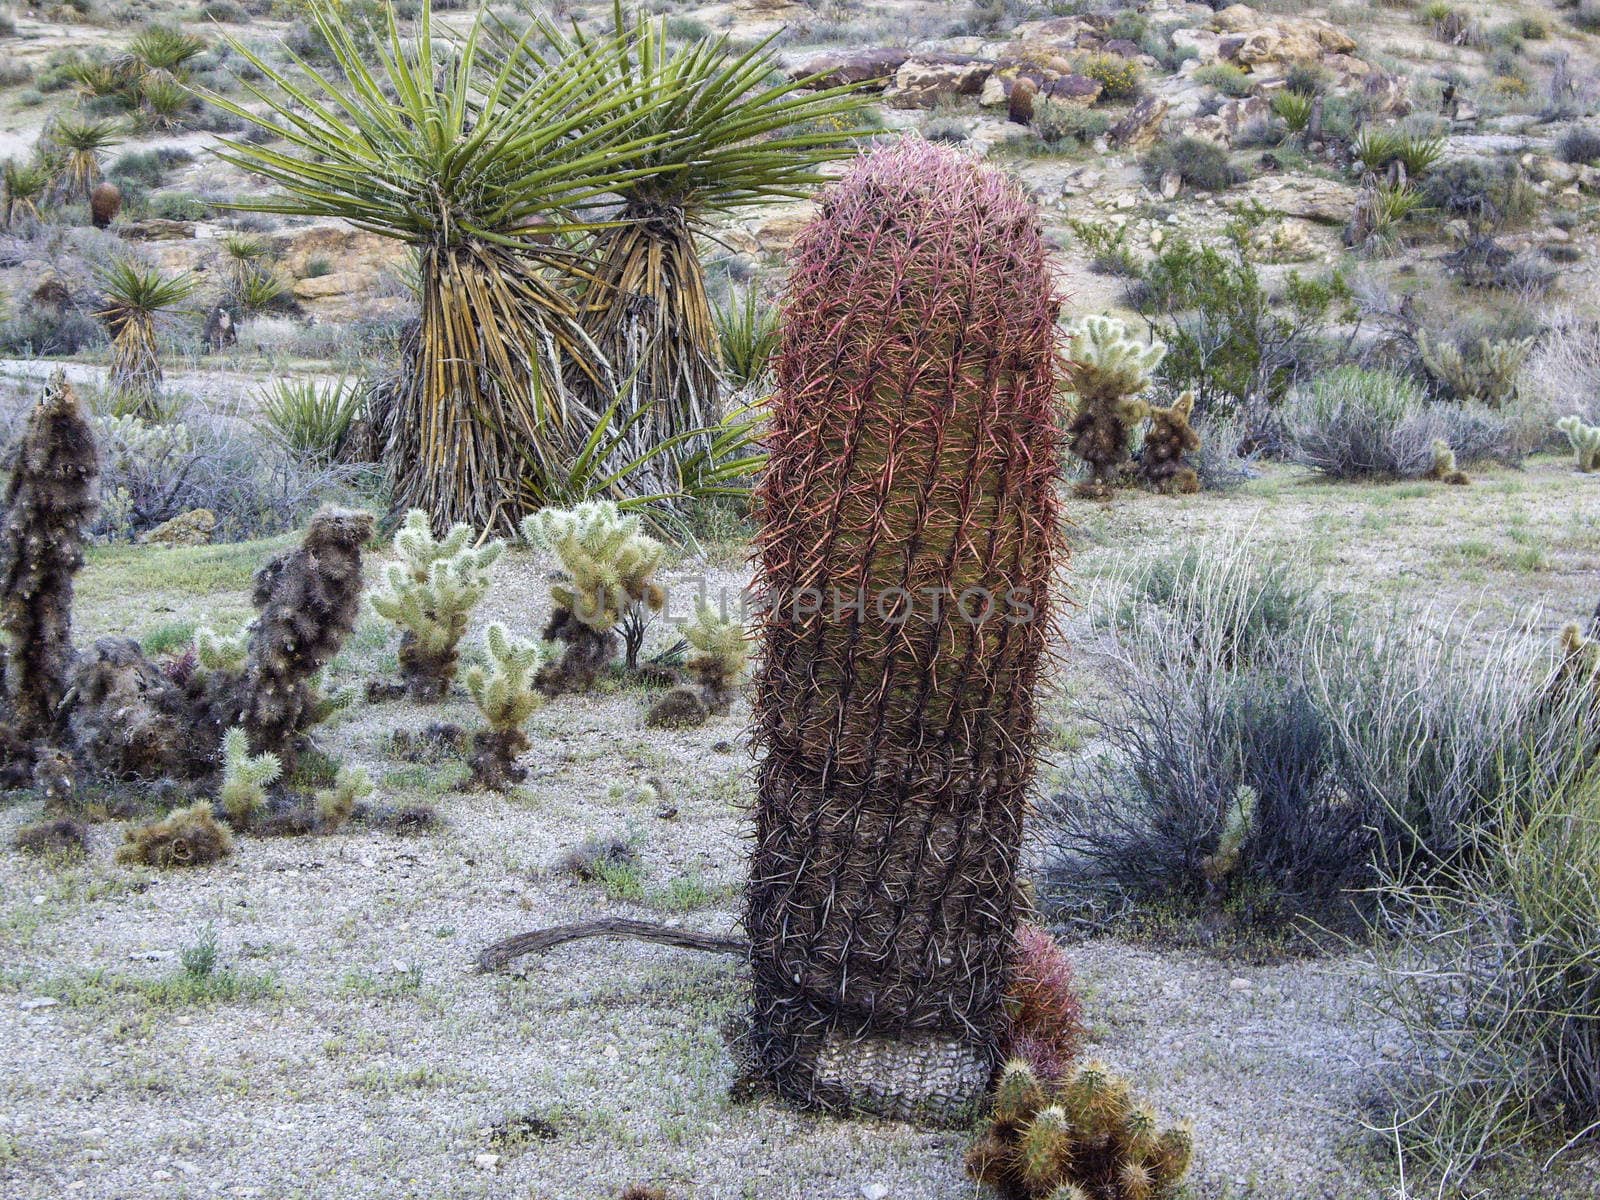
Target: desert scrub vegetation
1202,165
1360,423
1270,750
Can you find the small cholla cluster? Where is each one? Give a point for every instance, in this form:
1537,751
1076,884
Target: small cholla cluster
1161,462
245,778
1044,1017
430,594
1108,369
610,566
1585,441
505,694
1444,468
717,655
1084,1138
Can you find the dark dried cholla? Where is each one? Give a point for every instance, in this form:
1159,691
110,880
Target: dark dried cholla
63,836
50,500
912,437
188,837
1169,438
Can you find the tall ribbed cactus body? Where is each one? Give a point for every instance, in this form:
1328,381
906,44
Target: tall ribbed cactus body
913,466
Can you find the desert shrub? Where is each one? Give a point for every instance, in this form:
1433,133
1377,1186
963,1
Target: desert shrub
1485,370
1237,347
1491,971
1378,146
1268,749
1211,786
41,329
1056,121
1580,144
1492,194
1118,77
152,472
179,206
1200,164
310,419
1227,79
1562,372
1356,423
1106,246
1308,79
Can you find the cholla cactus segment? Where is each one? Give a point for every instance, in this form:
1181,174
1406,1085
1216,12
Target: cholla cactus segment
504,692
1585,441
718,656
214,651
336,804
430,593
245,777
609,562
1106,361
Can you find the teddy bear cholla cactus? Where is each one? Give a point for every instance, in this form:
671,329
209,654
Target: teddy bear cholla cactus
430,593
1585,441
718,653
610,566
1107,368
245,778
1444,468
1085,1138
1169,438
505,694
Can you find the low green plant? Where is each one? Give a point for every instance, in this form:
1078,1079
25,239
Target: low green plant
1378,146
25,185
1107,247
1201,164
1227,79
164,48
310,419
1293,109
1057,121
747,333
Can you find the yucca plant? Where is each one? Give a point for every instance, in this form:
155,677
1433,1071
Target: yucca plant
163,48
163,101
724,135
747,332
80,142
480,167
307,418
1293,109
25,185
134,296
259,290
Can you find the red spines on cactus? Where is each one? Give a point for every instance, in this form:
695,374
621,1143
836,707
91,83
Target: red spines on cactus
913,461
1044,1024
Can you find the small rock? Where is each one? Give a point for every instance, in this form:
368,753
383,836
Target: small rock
38,1002
873,1191
1240,985
486,1161
1171,185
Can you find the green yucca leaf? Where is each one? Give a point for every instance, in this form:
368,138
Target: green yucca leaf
162,48
85,136
726,128
747,330
394,144
132,288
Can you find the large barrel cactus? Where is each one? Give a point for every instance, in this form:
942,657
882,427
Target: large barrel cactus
908,539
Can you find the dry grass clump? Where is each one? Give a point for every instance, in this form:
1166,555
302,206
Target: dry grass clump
64,837
188,837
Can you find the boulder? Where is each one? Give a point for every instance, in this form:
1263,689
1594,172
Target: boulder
1321,201
156,229
1308,36
334,283
192,528
875,67
1140,128
923,79
1223,125
1078,90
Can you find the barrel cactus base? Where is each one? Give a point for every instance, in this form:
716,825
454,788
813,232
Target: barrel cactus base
926,1080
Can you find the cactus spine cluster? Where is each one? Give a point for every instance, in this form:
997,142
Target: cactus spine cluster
1108,369
1585,441
1169,438
50,499
1444,468
245,778
609,565
505,694
717,656
1085,1138
430,594
912,463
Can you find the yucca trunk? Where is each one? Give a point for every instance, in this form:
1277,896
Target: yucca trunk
481,403
914,460
135,361
652,320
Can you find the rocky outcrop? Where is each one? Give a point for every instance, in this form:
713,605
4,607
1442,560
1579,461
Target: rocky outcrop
923,79
874,67
1141,127
1251,38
